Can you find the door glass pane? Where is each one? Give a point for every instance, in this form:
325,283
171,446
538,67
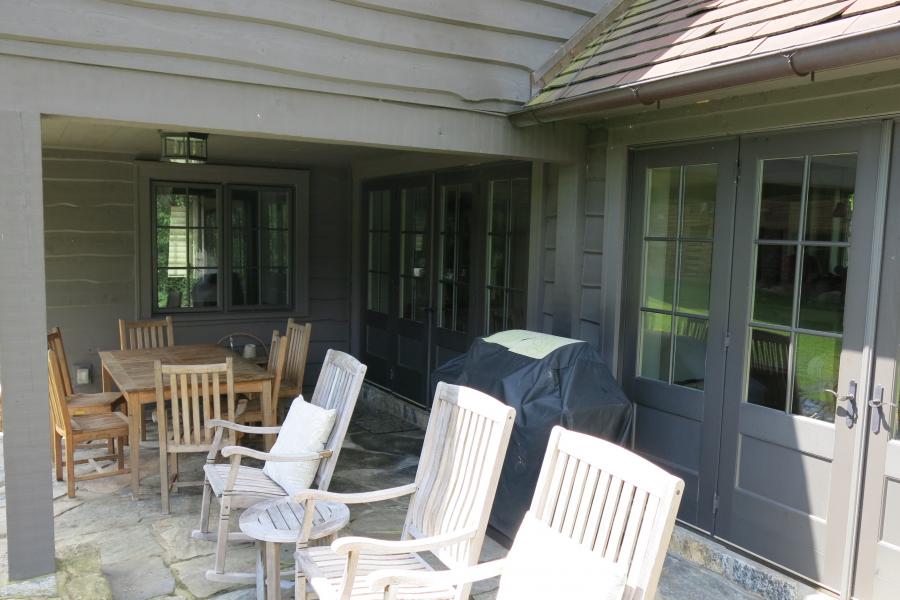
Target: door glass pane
655,345
662,203
693,277
413,253
832,182
781,199
816,366
507,258
699,201
659,275
453,257
768,379
379,251
690,352
773,298
822,291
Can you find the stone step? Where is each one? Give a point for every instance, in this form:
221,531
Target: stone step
743,574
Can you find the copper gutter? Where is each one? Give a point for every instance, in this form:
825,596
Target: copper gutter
841,52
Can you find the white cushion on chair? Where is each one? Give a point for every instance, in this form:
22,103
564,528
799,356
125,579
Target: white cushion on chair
543,563
306,429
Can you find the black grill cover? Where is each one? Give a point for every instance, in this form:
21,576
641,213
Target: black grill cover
550,381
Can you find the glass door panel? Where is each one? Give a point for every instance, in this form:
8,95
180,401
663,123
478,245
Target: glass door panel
795,346
680,250
509,208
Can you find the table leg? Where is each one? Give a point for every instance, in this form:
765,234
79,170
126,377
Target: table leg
268,409
106,379
260,571
273,571
134,443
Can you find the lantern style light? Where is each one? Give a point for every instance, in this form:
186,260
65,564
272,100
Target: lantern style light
183,147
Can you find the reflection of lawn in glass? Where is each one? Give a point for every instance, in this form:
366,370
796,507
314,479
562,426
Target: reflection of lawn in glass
693,297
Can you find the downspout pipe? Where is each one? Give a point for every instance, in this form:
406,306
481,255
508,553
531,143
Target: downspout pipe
842,52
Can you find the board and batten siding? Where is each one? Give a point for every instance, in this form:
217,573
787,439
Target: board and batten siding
466,54
92,262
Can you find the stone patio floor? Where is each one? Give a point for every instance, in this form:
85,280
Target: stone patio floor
109,546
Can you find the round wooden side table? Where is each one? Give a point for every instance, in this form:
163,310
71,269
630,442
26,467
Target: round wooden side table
279,521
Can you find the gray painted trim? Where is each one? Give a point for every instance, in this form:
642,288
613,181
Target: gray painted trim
23,350
535,293
569,222
213,174
614,235
112,94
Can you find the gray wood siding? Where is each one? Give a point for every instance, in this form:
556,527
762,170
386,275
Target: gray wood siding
92,265
549,249
472,54
591,315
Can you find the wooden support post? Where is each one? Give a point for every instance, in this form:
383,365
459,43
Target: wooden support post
569,246
23,351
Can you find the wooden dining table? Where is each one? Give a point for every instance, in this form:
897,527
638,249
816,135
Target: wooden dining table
131,371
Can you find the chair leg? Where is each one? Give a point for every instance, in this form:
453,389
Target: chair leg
70,467
57,455
299,585
204,505
120,452
163,477
222,539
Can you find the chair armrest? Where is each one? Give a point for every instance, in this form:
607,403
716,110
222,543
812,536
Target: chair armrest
216,423
378,580
356,498
374,546
250,453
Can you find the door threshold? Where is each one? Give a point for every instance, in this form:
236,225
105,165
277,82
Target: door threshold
743,569
383,400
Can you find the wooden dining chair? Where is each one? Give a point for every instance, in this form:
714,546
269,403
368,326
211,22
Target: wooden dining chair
600,517
449,502
277,354
80,403
136,335
240,485
195,393
298,336
71,430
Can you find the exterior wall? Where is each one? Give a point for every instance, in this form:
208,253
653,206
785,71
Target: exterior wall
90,207
590,308
469,54
548,253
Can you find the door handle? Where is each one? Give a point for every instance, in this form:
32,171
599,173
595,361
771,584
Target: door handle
850,399
878,403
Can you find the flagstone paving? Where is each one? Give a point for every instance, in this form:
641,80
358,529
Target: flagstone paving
110,546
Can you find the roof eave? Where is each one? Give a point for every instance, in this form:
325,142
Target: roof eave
840,52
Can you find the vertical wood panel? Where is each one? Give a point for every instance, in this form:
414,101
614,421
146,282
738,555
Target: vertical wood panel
23,365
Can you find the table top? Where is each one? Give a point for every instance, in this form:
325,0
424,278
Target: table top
281,519
132,370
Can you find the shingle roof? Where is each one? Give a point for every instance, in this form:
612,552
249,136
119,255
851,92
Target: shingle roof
658,39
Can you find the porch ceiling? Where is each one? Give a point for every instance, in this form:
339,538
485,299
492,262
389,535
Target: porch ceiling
143,143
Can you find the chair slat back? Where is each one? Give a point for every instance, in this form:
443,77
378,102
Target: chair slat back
55,343
338,387
298,335
59,410
610,500
465,444
137,335
277,356
195,392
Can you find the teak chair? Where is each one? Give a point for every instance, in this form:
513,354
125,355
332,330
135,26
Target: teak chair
136,335
195,393
275,367
239,486
298,336
606,499
81,403
112,426
450,501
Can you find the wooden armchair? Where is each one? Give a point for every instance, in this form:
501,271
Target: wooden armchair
610,502
73,430
195,393
450,501
136,335
240,486
80,403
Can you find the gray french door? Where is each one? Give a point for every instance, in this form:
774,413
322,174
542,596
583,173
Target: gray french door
679,257
804,219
